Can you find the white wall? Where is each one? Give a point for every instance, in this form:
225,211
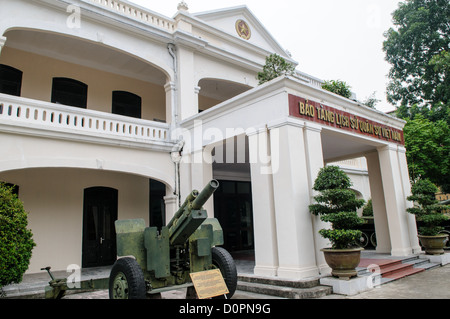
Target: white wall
53,198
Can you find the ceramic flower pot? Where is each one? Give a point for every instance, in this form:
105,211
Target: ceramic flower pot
433,245
343,261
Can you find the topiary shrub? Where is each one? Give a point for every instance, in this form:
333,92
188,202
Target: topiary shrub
427,209
275,66
368,209
16,242
338,87
337,204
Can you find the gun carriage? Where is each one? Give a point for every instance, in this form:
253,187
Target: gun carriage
151,261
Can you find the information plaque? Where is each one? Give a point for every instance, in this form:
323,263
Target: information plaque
209,283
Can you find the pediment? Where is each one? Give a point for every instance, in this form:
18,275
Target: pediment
241,23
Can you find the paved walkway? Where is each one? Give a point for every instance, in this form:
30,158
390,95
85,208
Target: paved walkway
430,284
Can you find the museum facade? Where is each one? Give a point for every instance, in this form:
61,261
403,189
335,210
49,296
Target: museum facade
111,111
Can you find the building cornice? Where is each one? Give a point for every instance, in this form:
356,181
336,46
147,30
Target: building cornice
296,86
101,14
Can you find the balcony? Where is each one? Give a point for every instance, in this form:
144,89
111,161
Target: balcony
136,12
32,117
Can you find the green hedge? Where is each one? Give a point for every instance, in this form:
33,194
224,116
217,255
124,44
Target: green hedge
16,242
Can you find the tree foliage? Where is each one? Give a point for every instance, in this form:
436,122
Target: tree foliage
428,150
337,204
275,66
16,241
416,49
427,209
368,209
339,87
371,101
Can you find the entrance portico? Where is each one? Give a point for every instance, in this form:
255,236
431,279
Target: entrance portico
293,130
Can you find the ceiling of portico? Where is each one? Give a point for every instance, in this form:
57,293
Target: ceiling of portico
221,90
339,146
93,55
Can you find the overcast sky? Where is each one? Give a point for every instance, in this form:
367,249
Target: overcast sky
330,39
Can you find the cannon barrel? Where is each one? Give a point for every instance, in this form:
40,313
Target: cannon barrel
190,215
206,193
180,210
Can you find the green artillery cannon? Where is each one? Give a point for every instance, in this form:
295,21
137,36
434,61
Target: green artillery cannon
151,261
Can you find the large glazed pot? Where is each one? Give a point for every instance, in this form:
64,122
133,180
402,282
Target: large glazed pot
434,245
343,261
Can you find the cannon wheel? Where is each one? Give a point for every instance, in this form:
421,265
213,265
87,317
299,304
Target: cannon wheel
126,280
222,259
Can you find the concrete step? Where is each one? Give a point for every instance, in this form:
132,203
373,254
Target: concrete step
284,288
427,265
401,272
391,270
394,269
285,292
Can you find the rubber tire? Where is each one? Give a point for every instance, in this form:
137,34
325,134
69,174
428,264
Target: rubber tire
133,276
222,259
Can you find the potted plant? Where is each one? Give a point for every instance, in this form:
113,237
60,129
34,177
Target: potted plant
430,216
337,204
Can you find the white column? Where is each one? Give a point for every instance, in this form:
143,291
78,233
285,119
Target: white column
296,251
171,111
195,173
196,92
188,100
171,206
411,219
202,174
185,177
378,203
264,224
314,160
395,201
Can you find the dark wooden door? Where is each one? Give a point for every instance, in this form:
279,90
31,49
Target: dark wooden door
99,236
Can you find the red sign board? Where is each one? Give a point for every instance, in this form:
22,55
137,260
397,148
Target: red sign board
323,114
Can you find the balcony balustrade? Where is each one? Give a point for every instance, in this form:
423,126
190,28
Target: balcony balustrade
136,13
22,115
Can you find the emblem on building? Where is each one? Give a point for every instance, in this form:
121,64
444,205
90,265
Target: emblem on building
243,30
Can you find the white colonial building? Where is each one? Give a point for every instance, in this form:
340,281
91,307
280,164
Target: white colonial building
111,111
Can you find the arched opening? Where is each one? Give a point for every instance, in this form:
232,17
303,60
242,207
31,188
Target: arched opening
73,222
42,56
